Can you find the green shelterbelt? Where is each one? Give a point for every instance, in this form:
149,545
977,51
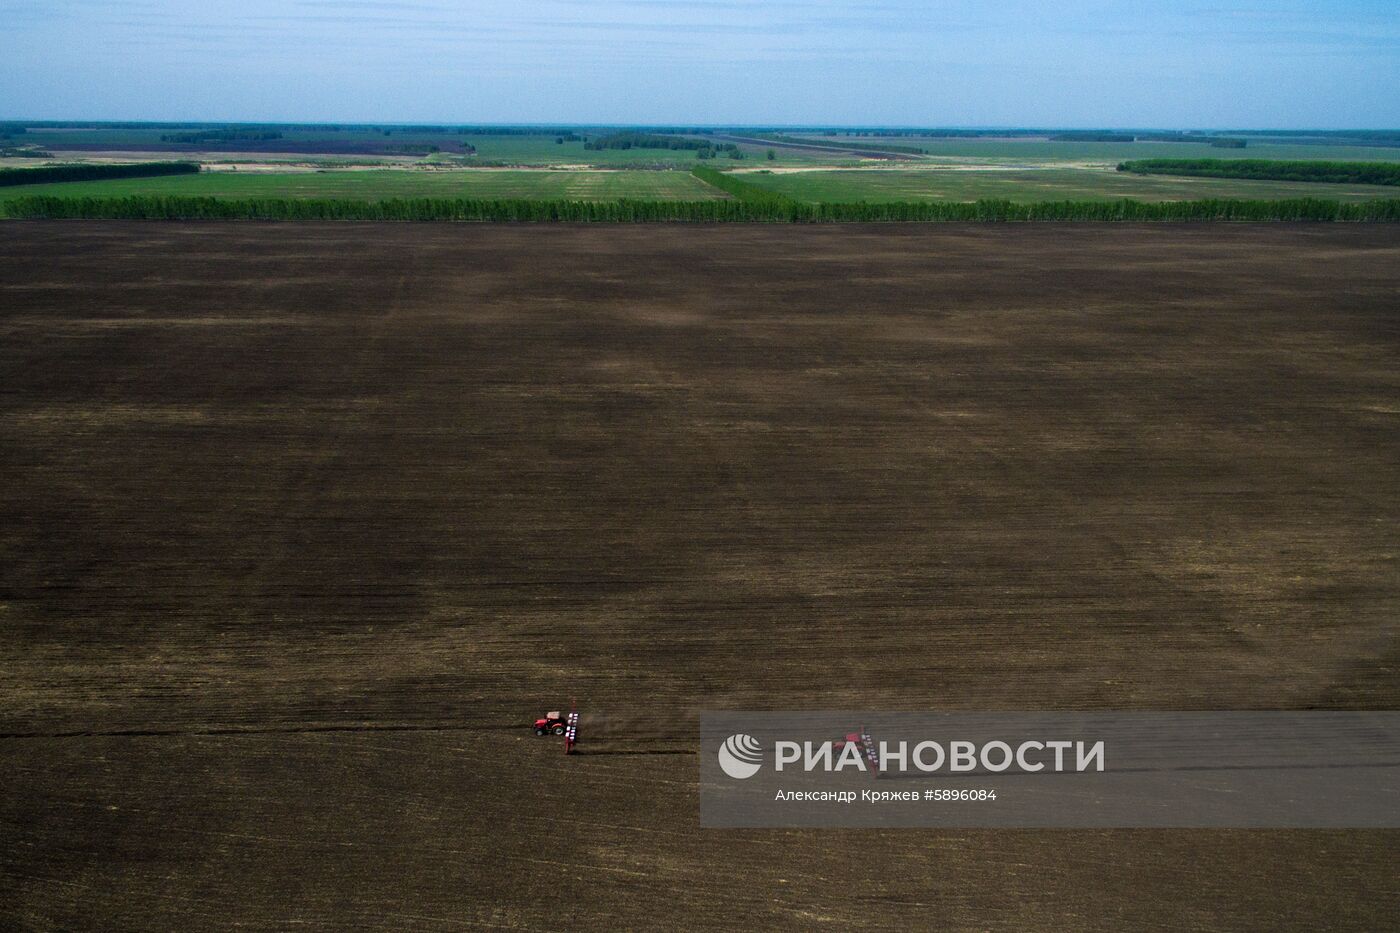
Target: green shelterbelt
750,204
146,207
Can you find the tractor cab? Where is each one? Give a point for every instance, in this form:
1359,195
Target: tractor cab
864,745
552,724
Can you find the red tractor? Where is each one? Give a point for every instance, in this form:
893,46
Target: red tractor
552,724
864,744
852,738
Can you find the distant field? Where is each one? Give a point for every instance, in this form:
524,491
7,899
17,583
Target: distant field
542,150
1041,185
1043,150
380,185
528,150
1028,185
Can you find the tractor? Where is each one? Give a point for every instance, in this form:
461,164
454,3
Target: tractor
852,738
864,745
552,724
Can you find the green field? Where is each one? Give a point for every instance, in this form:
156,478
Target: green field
1052,184
381,185
873,185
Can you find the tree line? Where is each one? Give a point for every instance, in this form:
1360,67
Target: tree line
93,172
744,207
518,131
1092,137
220,136
24,152
1345,137
1359,173
645,141
1219,142
704,148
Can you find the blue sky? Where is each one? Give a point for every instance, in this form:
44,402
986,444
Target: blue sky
1088,63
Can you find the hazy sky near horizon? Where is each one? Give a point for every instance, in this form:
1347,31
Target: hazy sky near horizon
1088,63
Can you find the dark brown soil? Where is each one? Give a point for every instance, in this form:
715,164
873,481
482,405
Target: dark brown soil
301,525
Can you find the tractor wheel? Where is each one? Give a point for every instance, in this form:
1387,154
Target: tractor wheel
559,729
539,730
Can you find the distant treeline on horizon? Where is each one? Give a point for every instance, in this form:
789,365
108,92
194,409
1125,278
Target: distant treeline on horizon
1373,136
